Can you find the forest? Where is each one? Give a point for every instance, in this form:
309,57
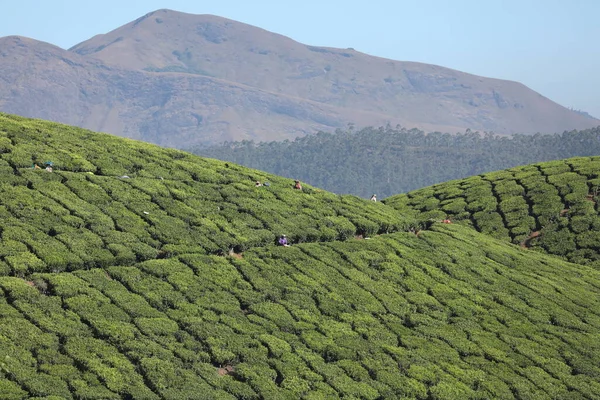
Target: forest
388,161
131,271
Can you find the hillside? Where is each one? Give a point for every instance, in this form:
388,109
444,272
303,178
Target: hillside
43,81
115,287
551,206
387,161
184,80
156,201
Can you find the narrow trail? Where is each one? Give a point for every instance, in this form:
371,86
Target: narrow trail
526,244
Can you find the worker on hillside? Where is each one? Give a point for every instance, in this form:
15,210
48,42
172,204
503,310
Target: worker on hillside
283,241
297,185
258,184
374,197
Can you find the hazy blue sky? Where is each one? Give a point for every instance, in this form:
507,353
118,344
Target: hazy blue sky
552,46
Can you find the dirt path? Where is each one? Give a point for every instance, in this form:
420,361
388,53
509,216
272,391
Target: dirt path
525,243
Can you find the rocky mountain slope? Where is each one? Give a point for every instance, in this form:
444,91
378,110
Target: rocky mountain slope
182,80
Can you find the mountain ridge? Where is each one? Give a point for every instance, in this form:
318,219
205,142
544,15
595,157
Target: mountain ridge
323,88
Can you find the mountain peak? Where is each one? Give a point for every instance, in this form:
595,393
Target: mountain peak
164,39
163,14
24,41
146,75
33,50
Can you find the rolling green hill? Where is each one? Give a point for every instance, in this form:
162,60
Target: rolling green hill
113,201
551,206
167,284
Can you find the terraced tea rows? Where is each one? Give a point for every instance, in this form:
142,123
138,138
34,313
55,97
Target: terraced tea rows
549,206
435,316
134,272
112,201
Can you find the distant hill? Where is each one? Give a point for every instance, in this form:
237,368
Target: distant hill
388,160
136,272
551,207
183,80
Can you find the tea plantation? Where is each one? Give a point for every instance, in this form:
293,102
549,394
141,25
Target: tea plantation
551,206
114,201
136,272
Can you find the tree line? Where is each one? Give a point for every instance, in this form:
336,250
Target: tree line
388,161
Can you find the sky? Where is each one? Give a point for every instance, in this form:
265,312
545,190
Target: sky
551,46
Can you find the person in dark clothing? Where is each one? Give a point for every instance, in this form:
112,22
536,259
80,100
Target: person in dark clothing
283,241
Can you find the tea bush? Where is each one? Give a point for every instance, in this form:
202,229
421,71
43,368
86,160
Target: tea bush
114,192
547,206
168,283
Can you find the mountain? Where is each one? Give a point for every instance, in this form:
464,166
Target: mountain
184,80
388,160
45,81
133,271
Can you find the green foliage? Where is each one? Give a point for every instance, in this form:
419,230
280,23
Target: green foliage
388,161
549,207
115,201
136,287
449,313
